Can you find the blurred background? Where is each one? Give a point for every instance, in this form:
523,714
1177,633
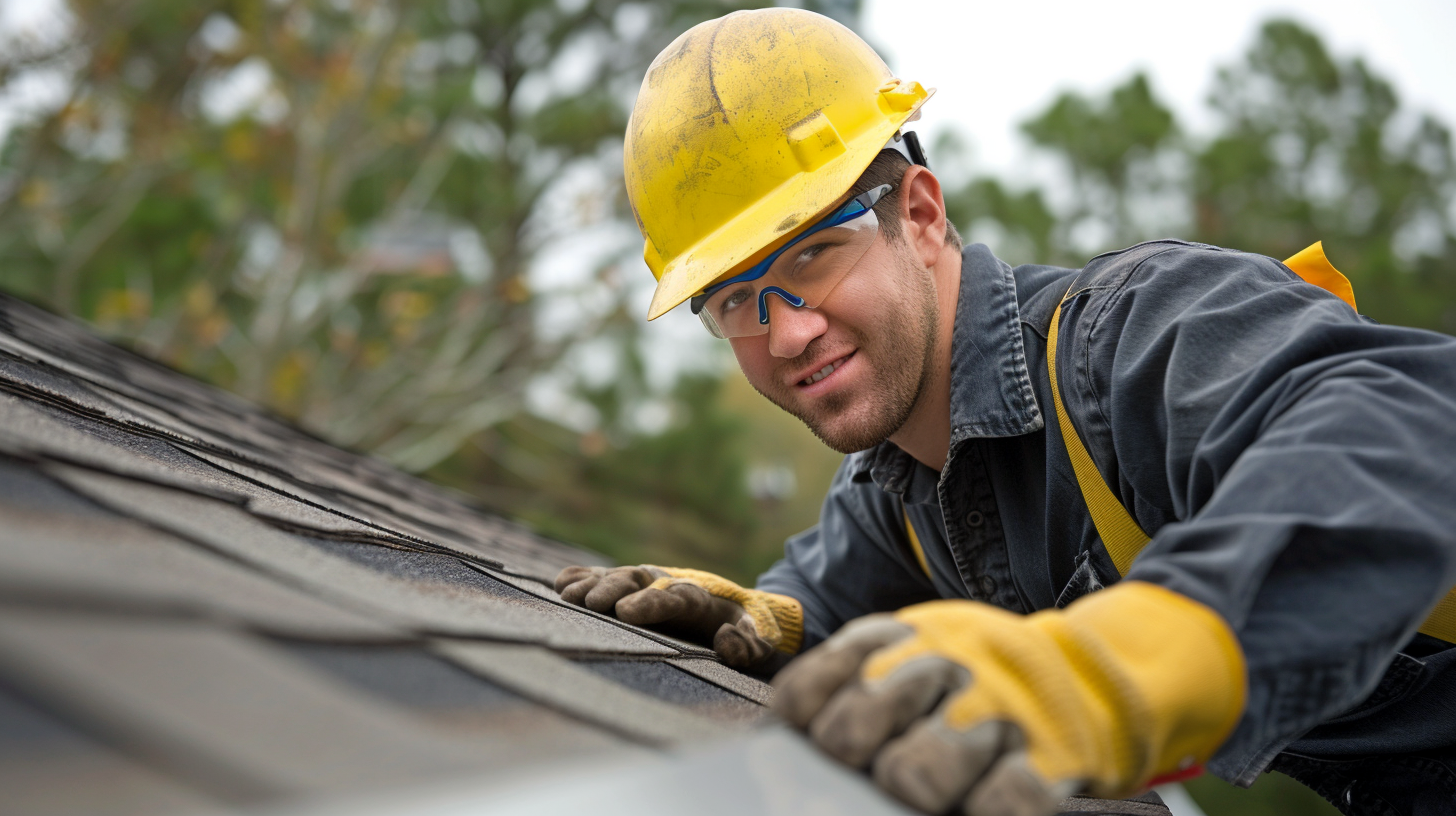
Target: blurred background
401,225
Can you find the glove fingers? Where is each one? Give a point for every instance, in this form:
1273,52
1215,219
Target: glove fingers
572,575
857,721
706,610
933,767
802,688
615,585
576,591
650,606
740,646
1012,788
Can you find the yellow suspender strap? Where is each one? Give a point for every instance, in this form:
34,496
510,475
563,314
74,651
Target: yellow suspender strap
915,542
1441,623
1120,533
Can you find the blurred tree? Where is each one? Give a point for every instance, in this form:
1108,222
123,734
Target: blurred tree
719,487
331,207
1307,148
1312,147
1024,225
677,496
789,470
336,208
1112,151
1121,158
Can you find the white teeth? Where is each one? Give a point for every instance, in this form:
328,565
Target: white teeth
821,373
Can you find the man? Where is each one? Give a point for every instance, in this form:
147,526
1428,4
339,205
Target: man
1294,463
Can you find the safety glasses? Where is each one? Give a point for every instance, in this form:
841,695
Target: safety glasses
803,272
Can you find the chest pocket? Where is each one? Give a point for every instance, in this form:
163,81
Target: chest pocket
1119,531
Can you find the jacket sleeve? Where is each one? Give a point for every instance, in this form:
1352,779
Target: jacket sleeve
856,561
1297,462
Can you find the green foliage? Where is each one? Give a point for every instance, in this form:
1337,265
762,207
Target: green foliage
351,241
789,471
1029,226
1309,147
331,207
1104,140
1316,148
682,496
676,497
1273,794
1105,145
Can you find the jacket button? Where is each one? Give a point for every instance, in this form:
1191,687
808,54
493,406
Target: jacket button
975,519
987,585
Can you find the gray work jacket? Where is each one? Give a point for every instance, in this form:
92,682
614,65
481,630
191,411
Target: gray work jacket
1294,462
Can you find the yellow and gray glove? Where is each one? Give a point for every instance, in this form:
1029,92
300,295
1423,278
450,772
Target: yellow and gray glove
959,703
746,627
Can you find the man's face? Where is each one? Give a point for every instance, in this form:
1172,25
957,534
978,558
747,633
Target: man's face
877,330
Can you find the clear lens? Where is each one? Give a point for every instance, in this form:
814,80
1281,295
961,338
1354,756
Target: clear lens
808,269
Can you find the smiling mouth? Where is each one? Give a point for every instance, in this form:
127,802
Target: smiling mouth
825,371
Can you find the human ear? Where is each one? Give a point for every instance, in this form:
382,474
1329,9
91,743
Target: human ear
922,213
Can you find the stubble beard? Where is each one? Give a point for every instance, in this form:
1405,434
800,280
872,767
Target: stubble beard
900,350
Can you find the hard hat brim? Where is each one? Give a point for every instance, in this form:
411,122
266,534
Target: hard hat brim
772,218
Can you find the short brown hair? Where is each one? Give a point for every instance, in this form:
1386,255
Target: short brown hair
889,168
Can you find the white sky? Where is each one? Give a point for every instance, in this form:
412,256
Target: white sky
996,64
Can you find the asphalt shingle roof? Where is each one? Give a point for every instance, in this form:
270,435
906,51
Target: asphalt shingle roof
204,609
201,605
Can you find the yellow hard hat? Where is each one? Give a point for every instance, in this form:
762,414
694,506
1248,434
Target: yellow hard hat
745,128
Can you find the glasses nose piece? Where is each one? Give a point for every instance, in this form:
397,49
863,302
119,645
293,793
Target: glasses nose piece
789,298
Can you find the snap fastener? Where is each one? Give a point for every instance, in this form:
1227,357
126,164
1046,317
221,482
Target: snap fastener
987,585
975,519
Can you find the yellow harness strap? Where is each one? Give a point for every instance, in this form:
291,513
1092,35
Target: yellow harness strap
1120,533
915,542
1311,264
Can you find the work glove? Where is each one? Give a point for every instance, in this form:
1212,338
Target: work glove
956,703
748,628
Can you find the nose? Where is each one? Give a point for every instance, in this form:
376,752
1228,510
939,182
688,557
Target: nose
790,329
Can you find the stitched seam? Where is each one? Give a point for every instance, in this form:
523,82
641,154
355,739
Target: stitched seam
1037,330
1116,292
1115,295
1025,398
1094,288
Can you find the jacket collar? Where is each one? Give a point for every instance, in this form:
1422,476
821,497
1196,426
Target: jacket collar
990,386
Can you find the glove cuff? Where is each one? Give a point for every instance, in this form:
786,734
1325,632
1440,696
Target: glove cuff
1180,677
778,618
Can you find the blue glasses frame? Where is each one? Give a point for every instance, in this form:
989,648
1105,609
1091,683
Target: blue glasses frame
852,209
